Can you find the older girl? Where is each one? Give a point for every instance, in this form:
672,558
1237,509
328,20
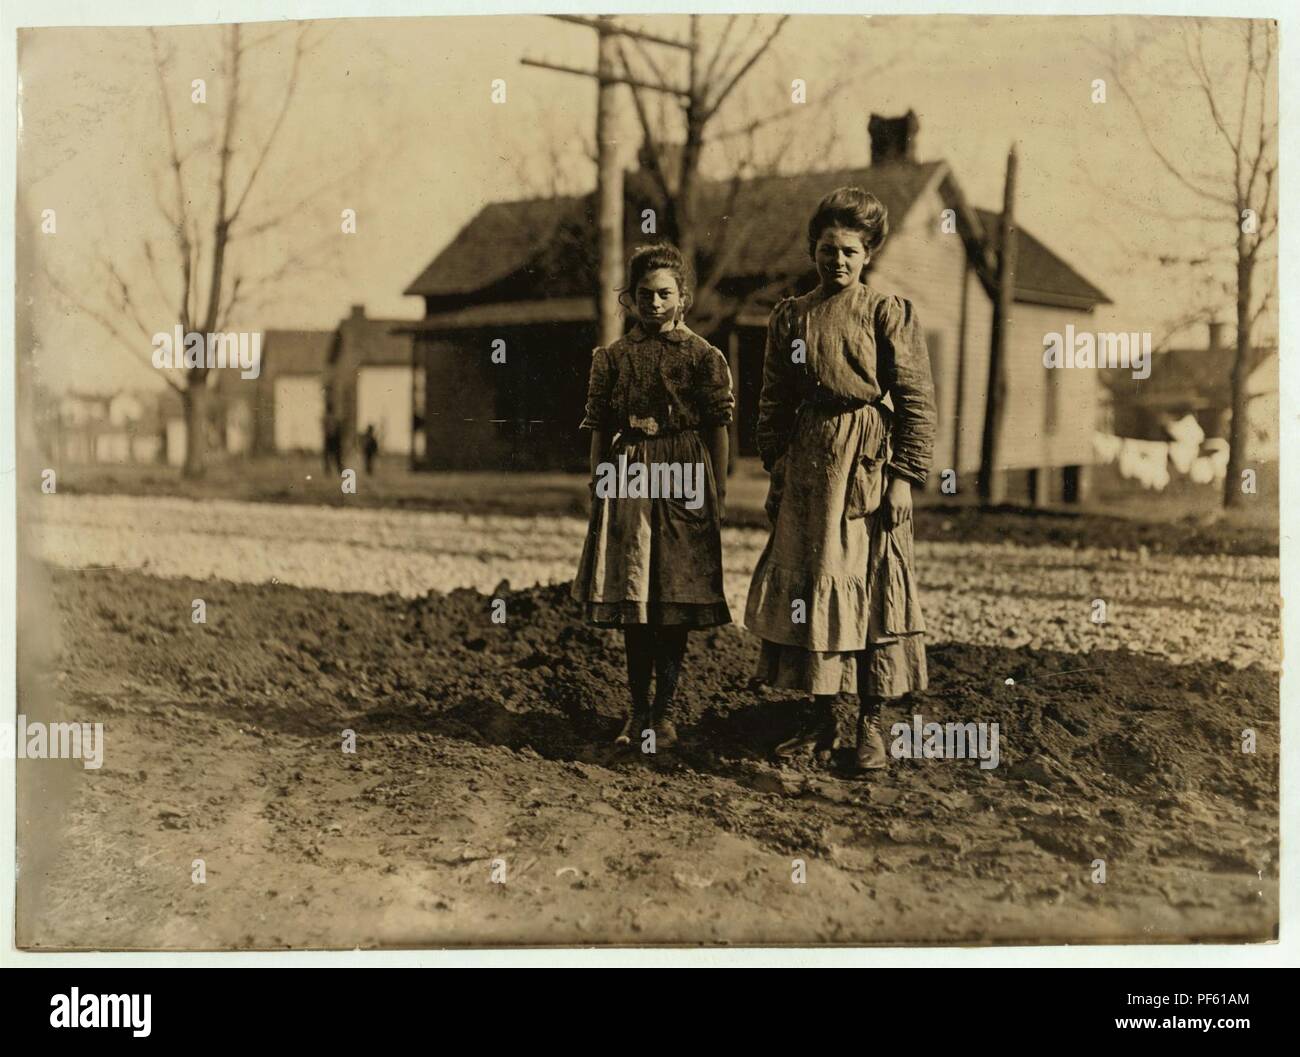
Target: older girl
659,403
833,596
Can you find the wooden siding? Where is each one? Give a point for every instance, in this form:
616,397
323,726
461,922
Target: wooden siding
520,415
929,268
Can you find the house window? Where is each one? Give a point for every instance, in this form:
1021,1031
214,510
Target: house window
934,343
417,398
419,411
1051,400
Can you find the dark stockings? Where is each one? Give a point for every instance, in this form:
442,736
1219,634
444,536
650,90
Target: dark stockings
670,650
639,642
869,705
656,651
824,706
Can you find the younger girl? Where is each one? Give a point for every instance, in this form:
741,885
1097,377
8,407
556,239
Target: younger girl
659,398
833,596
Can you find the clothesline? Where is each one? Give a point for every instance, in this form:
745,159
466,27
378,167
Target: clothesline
1188,453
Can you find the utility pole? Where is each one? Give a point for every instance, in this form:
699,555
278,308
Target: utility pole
609,172
992,486
609,190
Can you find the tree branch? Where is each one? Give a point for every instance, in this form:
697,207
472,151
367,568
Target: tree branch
106,322
221,221
292,86
647,130
1197,63
712,67
1161,157
712,108
181,220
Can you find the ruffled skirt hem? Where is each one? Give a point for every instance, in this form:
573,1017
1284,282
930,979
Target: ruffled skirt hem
889,669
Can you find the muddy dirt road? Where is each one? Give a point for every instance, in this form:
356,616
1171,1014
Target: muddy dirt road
481,750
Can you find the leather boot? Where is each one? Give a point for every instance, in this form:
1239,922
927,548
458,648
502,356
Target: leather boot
870,752
820,736
636,720
665,730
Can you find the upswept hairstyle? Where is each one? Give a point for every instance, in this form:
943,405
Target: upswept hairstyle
651,257
852,208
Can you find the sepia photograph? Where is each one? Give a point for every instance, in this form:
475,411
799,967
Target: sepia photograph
647,480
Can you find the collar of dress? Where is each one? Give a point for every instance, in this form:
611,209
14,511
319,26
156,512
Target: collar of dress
819,295
680,333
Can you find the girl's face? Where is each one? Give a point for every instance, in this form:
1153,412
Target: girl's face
840,256
658,299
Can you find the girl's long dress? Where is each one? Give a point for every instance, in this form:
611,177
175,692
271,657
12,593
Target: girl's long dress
833,596
656,560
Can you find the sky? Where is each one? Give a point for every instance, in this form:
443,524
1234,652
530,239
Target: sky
393,118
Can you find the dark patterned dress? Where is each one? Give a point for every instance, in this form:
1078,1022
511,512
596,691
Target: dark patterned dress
833,596
656,560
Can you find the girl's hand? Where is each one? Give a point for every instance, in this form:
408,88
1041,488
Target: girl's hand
722,508
898,498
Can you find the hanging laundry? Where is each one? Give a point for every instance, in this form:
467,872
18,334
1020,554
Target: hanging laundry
1146,461
1107,447
1186,444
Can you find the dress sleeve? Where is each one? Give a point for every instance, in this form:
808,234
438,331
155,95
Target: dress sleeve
713,388
600,384
779,396
905,375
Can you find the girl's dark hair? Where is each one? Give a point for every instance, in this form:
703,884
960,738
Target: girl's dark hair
649,258
852,208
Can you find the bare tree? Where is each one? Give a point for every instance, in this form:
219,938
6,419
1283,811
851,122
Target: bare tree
677,134
1240,184
203,195
711,80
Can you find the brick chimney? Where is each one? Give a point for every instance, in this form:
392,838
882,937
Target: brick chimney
893,139
358,312
1216,335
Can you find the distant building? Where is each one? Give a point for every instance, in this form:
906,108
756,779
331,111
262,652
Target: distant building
80,418
523,273
122,427
1197,382
171,414
281,410
373,381
362,368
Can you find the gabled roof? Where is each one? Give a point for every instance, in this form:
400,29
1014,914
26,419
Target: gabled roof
760,221
504,236
1188,379
1041,276
296,351
493,245
775,211
374,342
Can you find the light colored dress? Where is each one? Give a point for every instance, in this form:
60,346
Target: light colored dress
833,596
657,560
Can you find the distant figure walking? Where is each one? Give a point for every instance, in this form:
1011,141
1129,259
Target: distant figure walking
333,430
369,448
